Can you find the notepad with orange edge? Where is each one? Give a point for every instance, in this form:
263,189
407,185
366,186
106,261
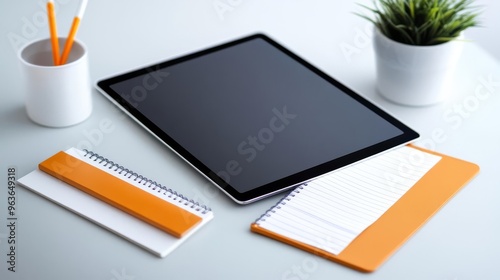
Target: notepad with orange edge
381,239
141,210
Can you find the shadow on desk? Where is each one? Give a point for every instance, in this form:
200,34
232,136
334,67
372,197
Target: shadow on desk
15,115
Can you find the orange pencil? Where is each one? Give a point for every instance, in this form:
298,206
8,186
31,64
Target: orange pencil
53,31
72,32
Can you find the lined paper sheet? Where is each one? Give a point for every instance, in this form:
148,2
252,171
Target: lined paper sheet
331,211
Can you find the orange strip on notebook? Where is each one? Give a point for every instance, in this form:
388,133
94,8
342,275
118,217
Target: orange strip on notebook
120,194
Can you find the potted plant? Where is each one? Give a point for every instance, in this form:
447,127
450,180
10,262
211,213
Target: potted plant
417,44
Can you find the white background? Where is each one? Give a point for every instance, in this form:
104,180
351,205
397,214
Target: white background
460,242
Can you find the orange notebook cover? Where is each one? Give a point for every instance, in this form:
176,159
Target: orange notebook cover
120,194
380,240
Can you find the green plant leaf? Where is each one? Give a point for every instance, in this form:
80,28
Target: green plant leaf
422,22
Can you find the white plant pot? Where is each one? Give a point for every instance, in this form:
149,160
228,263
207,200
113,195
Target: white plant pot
415,75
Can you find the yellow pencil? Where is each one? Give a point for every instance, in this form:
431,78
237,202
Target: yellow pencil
72,32
53,31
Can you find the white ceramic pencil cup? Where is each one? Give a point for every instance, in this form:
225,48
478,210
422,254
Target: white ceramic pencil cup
56,96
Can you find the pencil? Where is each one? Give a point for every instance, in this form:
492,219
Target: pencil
72,32
53,31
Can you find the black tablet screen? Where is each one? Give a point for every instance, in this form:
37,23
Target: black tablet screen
254,115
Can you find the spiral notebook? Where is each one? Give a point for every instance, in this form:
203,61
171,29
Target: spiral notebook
141,210
358,216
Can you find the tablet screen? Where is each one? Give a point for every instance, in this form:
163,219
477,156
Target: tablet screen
254,118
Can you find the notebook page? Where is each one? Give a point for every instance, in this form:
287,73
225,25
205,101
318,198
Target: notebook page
331,211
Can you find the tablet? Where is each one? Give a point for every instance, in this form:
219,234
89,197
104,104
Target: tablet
254,118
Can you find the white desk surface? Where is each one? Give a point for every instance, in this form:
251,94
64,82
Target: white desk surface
459,242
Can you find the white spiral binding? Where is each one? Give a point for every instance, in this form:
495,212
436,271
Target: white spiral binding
278,205
146,182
